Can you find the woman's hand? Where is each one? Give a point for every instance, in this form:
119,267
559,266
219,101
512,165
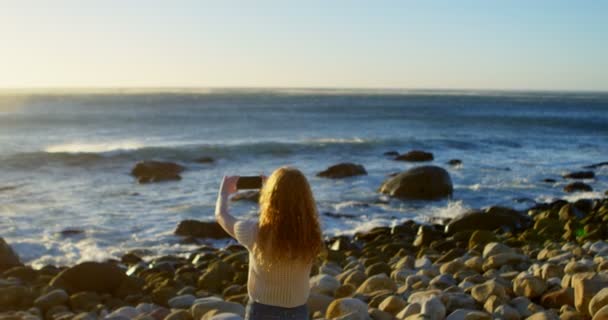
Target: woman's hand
228,186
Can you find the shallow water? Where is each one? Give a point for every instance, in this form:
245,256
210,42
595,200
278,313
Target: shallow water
65,159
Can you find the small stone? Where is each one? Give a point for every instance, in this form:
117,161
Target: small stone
598,301
204,305
558,298
544,315
434,309
498,260
377,282
601,314
324,284
354,308
482,292
51,299
126,312
181,314
494,248
318,302
529,286
481,238
468,314
181,302
452,267
506,312
586,286
410,310
392,304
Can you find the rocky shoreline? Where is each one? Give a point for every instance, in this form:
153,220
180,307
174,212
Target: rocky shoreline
550,262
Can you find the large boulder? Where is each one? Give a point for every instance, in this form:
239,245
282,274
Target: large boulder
8,257
489,219
101,277
343,170
156,171
579,175
415,156
200,229
577,186
420,183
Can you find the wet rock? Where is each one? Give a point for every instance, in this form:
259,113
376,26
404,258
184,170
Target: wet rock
71,232
8,257
596,165
420,183
156,171
97,277
205,160
200,229
579,175
577,187
391,153
343,170
347,308
455,162
415,156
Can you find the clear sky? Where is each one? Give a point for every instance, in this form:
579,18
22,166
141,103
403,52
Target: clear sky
482,44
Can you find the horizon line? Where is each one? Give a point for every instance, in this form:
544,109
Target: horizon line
303,89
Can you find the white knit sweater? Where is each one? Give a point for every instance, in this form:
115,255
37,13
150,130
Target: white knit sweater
284,285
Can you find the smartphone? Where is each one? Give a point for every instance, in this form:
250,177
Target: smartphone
254,182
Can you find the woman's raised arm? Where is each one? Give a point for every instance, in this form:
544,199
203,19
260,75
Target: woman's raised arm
224,218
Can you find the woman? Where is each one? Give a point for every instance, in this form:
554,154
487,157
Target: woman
282,244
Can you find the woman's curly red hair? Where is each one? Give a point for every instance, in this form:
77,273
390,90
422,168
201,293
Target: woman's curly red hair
289,228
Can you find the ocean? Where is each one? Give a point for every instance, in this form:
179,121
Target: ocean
66,194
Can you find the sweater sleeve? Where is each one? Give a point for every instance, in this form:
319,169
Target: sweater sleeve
245,232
